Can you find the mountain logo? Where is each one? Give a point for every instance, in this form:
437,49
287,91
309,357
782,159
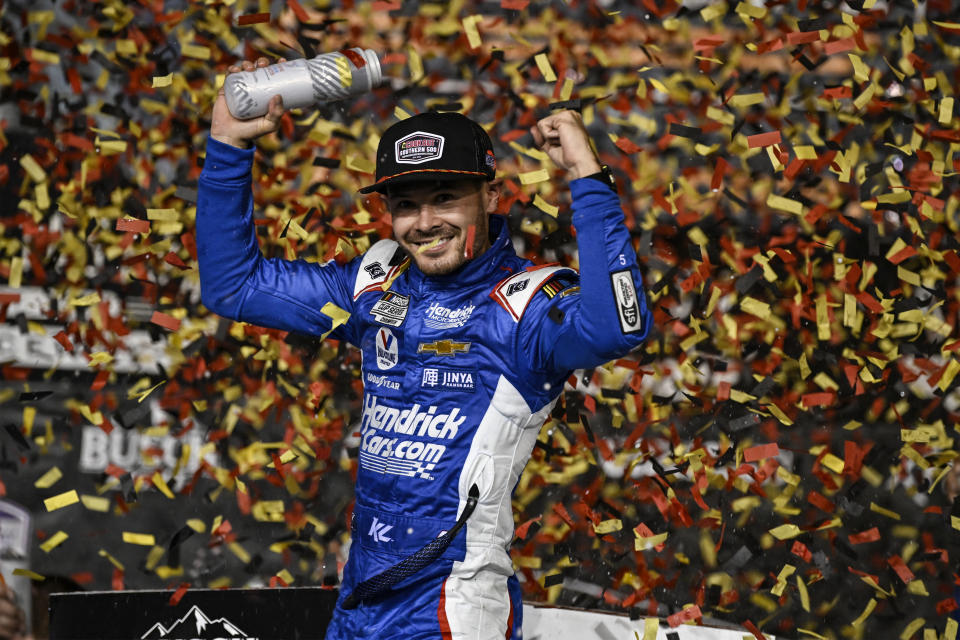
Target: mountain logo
196,625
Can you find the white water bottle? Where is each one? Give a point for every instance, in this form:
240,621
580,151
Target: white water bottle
302,83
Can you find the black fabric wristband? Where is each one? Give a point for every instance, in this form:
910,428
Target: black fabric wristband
605,176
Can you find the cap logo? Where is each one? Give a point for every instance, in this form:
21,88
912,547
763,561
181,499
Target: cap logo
418,147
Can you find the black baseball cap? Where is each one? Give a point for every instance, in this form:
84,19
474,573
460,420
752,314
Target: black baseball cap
436,145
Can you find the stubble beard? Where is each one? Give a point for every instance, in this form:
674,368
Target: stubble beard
456,256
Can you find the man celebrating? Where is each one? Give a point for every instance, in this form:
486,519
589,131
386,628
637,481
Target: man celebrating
466,347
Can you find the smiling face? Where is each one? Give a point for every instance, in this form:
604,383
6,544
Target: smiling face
432,220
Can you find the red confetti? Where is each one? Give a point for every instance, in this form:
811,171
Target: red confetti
515,5
133,226
685,615
7,298
821,399
64,341
870,535
471,238
165,321
522,530
174,259
838,46
803,37
752,628
903,254
298,11
761,451
627,146
253,18
117,581
178,594
100,381
764,139
901,569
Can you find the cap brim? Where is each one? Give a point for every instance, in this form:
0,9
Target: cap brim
422,175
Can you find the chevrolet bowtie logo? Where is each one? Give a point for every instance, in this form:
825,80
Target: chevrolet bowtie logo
444,347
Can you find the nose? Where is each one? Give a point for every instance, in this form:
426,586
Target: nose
426,217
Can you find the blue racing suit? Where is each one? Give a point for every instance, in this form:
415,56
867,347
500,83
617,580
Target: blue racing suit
460,373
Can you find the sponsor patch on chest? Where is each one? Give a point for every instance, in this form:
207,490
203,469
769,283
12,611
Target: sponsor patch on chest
391,309
449,379
440,317
388,351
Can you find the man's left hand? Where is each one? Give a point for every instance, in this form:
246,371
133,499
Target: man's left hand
563,137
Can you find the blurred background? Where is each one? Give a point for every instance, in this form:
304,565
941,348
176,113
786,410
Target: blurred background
780,453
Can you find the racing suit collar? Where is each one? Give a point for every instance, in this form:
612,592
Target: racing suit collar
476,270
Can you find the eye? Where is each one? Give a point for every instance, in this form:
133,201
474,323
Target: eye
445,197
403,205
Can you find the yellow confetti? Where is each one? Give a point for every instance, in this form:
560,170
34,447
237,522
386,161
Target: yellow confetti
16,273
360,163
532,177
338,315
239,551
29,574
286,576
29,415
95,503
804,595
833,463
755,307
785,531
608,526
787,571
145,539
59,501
48,479
861,72
195,51
103,553
85,301
415,63
643,543
708,13
162,81
153,557
167,215
161,484
946,111
866,613
866,96
545,206
746,99
953,367
650,627
53,541
912,628
473,33
784,204
750,10
33,168
543,64
950,630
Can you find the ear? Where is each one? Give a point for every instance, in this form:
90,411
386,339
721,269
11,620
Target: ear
491,195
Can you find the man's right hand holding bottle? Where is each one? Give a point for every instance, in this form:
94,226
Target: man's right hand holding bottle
238,133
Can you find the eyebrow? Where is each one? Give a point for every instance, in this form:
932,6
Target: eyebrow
405,193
